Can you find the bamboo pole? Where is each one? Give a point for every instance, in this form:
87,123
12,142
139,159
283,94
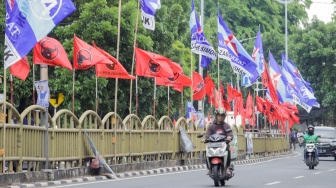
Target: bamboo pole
73,90
133,61
4,123
116,83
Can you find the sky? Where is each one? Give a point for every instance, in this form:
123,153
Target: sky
323,9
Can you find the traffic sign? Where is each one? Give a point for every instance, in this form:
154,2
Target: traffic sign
55,101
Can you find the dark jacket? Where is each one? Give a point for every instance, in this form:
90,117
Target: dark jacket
224,129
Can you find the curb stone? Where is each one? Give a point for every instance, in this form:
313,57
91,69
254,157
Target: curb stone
142,173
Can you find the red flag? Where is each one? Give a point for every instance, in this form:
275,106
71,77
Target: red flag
115,70
198,87
267,82
291,107
249,107
238,108
20,69
209,85
178,88
232,93
260,102
177,80
225,101
86,56
50,52
149,64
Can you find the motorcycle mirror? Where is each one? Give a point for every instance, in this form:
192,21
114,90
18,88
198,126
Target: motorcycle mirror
200,136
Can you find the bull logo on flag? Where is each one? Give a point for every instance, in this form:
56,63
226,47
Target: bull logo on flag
83,55
200,86
176,75
154,66
49,50
113,66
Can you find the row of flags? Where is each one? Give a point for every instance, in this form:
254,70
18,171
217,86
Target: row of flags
49,51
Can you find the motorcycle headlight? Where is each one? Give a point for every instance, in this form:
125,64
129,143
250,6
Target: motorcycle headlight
333,143
220,152
211,152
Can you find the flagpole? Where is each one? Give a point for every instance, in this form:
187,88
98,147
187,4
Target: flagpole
182,106
4,123
136,95
220,100
133,58
168,103
73,90
96,94
34,85
200,69
11,89
192,82
154,97
116,82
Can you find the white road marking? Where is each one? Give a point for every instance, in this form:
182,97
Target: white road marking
331,170
317,172
273,183
298,177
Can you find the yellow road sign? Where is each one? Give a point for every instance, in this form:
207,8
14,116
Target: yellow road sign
55,101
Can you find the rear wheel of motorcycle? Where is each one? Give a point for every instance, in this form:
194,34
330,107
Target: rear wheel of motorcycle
215,170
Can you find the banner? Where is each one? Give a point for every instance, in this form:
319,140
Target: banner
43,93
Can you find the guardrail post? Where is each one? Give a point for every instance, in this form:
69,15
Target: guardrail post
44,122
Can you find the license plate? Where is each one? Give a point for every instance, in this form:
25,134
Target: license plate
322,150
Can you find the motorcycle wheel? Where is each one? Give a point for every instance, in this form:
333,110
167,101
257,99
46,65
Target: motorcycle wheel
222,182
215,170
311,159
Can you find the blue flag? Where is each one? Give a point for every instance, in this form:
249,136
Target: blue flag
306,98
258,57
148,10
293,69
284,90
199,43
223,51
27,22
241,61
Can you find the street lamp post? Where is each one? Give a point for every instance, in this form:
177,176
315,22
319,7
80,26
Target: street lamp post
286,2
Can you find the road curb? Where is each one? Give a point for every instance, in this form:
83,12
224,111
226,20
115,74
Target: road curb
143,172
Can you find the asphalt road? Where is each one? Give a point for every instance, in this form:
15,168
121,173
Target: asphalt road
284,172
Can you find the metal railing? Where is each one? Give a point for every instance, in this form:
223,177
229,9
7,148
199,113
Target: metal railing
118,141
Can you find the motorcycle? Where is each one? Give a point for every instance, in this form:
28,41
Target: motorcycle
300,139
216,156
310,155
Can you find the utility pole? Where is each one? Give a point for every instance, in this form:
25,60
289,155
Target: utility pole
44,117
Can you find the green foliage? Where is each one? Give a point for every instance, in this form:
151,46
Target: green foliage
310,46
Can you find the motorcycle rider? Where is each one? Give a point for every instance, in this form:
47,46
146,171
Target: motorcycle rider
300,133
310,137
221,127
